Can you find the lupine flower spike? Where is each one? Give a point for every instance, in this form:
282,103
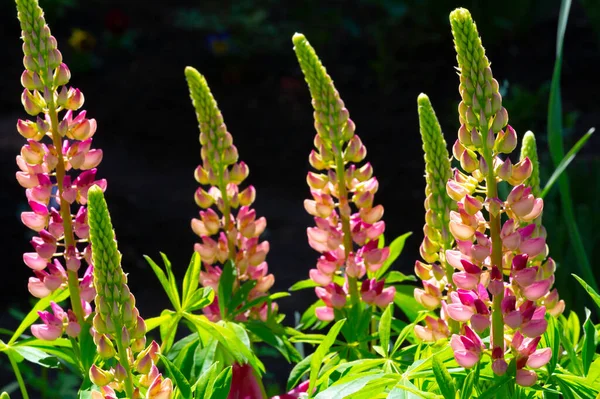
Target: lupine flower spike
228,226
529,150
436,272
59,144
343,200
488,250
119,332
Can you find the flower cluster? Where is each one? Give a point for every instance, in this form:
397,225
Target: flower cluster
342,183
48,172
226,236
119,332
494,238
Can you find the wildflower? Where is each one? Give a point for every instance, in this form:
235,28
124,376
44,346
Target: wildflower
478,298
224,233
340,186
48,167
119,331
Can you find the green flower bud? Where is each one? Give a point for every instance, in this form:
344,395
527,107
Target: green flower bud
437,169
529,150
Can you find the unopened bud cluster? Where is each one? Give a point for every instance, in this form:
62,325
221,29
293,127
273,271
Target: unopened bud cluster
338,186
228,226
119,332
494,238
49,172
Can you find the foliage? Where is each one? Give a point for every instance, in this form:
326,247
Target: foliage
501,331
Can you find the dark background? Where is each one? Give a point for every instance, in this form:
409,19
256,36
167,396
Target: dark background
128,59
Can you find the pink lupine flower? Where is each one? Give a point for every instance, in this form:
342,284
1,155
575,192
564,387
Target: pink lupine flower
294,393
509,241
347,220
434,330
467,348
228,227
58,147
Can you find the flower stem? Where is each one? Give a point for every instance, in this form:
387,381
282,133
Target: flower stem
343,198
20,380
124,361
492,192
65,211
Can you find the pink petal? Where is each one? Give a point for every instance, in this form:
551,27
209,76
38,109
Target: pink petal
539,358
537,290
46,332
459,312
534,328
526,378
324,313
465,280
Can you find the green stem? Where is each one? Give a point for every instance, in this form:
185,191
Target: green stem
124,361
20,380
343,198
492,192
65,213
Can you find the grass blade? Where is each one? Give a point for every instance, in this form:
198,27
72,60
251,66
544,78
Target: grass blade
557,151
566,161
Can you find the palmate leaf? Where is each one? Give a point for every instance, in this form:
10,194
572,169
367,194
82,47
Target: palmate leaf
322,351
396,248
443,378
177,376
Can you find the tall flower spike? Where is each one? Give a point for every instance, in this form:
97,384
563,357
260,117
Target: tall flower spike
529,150
119,332
338,226
438,204
228,227
487,250
58,144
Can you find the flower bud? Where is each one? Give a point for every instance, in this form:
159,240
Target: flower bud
30,103
247,196
74,99
505,170
100,377
468,161
62,75
105,347
500,120
506,141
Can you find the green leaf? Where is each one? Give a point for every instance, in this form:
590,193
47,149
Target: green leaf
303,284
589,342
443,378
240,296
168,330
35,355
298,372
164,281
172,280
204,385
385,327
191,279
225,290
222,384
322,351
4,395
407,390
397,277
204,357
355,384
405,300
552,340
200,299
590,290
57,296
157,321
396,248
566,161
178,378
469,383
492,391
557,151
